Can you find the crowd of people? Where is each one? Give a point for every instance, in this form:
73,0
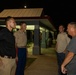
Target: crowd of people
13,63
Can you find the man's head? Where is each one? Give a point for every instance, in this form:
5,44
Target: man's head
71,29
61,28
10,22
23,26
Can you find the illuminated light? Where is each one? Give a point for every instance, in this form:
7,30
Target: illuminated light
28,27
25,6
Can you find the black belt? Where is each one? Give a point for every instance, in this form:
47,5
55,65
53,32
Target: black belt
5,56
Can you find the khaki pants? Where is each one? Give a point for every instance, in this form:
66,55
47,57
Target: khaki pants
8,66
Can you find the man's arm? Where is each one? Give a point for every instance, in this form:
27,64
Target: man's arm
68,39
68,58
16,37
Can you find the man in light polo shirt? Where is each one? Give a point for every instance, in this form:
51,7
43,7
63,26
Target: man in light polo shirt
21,42
62,42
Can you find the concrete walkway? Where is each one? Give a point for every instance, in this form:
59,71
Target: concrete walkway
45,64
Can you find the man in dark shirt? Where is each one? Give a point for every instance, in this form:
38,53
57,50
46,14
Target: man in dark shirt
7,48
69,63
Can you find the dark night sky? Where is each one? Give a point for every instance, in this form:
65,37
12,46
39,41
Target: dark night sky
61,12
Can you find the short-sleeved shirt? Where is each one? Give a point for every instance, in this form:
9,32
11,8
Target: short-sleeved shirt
72,48
62,42
20,38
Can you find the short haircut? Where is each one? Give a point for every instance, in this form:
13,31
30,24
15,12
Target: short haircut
61,25
8,18
73,23
22,22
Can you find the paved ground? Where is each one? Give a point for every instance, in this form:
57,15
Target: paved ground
45,64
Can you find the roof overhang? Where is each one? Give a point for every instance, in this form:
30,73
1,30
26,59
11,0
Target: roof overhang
29,15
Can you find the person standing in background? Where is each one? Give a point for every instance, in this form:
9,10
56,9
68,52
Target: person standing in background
7,48
62,42
21,44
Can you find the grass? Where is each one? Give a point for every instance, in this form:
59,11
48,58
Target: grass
29,61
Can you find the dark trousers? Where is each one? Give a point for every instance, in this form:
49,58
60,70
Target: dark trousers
60,59
22,55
